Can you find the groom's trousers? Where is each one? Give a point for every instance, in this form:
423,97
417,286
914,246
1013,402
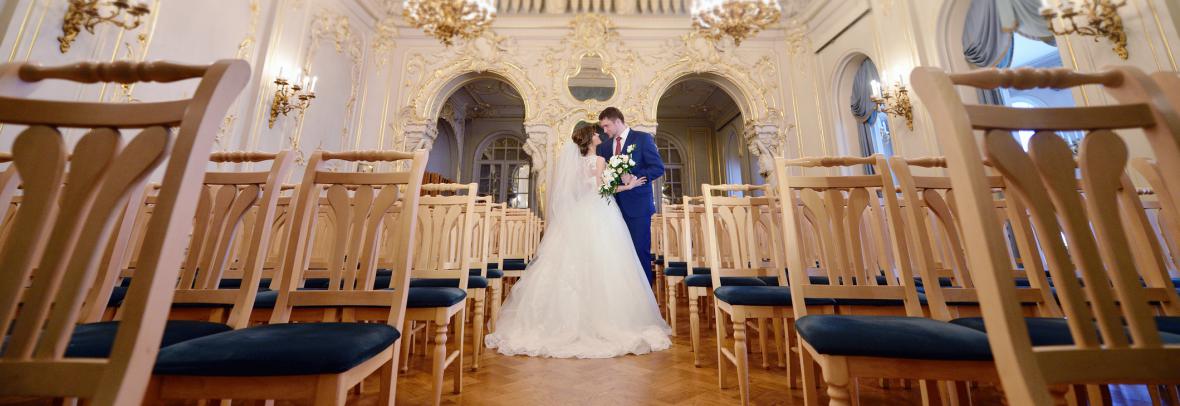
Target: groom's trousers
640,229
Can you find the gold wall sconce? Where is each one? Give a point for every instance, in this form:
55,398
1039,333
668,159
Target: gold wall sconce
86,14
894,100
1089,18
290,96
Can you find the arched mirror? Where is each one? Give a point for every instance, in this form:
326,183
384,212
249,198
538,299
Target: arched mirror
591,82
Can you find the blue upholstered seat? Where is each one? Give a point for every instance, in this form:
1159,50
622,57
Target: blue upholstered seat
118,293
678,264
94,340
893,337
421,297
1047,330
278,350
315,283
237,283
761,296
493,265
1169,324
473,282
492,273
815,280
515,265
676,271
706,281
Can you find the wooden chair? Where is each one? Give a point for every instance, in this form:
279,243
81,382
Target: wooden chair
737,268
674,265
478,262
515,239
319,362
1108,321
495,261
103,172
904,346
438,296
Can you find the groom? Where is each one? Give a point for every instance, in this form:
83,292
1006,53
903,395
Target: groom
637,205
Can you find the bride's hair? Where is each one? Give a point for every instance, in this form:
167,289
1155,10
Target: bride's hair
584,137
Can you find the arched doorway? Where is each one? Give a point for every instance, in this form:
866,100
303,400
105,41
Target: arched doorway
701,139
487,113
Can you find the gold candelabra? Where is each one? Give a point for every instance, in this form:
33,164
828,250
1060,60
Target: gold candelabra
1101,21
86,14
895,101
286,92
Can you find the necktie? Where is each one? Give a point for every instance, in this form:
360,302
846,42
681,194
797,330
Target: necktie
618,145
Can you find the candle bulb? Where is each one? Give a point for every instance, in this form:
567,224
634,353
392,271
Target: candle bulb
280,72
314,79
876,86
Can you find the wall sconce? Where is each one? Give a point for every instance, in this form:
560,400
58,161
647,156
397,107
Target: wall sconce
286,91
894,100
85,14
1101,20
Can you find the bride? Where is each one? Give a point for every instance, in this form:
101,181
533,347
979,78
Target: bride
585,294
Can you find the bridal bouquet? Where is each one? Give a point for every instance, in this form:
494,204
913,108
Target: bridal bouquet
612,176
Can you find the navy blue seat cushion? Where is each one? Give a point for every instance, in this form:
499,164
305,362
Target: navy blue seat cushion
278,350
942,281
702,270
761,296
706,281
266,300
493,265
515,265
117,296
473,282
893,337
1047,330
94,340
492,273
677,271
677,264
421,297
315,283
1170,324
237,283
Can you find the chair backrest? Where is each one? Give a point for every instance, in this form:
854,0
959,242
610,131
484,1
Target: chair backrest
102,174
1112,301
928,200
1164,212
841,209
360,202
694,241
516,229
446,222
224,202
735,231
481,235
671,229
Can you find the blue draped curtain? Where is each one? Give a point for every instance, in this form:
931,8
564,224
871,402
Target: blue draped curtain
864,108
986,44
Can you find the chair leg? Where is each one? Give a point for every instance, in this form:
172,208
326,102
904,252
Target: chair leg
762,339
794,371
671,306
388,385
722,361
741,357
330,391
694,330
440,358
477,334
836,377
406,341
780,347
461,325
807,375
497,300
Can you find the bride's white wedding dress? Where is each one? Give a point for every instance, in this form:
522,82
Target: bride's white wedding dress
585,294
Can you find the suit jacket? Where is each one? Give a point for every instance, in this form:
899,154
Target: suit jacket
638,202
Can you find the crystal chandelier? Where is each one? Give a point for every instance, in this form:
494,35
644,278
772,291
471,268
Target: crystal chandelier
447,19
739,19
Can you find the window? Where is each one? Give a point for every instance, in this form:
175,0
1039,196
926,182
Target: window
504,172
671,186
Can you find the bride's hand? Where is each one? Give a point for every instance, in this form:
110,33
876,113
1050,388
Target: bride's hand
636,182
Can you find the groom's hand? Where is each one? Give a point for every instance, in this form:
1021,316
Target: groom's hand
628,178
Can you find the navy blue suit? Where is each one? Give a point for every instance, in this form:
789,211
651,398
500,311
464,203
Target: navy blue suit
638,205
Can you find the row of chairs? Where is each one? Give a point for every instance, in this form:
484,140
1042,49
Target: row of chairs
896,274
227,284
